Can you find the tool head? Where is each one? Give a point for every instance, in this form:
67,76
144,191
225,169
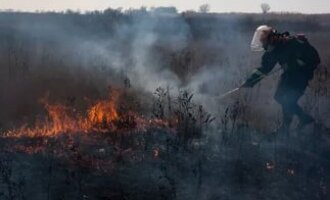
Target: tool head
229,93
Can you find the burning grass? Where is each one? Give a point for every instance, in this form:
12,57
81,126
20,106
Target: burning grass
109,130
102,116
109,144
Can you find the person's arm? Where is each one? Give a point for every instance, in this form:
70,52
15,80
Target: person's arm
268,62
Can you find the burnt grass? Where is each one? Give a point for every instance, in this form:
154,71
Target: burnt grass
155,164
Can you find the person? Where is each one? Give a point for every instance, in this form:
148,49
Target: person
298,59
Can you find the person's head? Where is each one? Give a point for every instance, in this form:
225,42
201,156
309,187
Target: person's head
260,40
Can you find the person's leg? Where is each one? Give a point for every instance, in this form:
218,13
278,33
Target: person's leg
287,116
304,118
290,88
289,104
298,91
291,108
286,120
281,96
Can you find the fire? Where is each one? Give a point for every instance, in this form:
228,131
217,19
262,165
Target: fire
58,121
156,153
103,112
66,132
101,116
270,166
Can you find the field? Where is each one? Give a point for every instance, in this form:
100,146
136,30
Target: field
125,105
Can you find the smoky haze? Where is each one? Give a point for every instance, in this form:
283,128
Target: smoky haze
78,57
73,53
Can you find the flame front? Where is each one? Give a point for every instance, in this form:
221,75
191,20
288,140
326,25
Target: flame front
101,116
64,119
103,112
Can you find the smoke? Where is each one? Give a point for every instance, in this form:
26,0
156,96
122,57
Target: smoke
78,57
87,53
147,69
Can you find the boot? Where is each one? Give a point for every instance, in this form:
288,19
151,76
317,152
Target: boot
304,119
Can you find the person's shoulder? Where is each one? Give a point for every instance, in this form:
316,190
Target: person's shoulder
293,42
299,39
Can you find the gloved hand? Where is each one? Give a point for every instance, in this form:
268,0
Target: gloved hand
253,79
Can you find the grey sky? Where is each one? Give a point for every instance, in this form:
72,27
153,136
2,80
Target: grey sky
304,6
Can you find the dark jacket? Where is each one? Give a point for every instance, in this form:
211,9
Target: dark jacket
296,56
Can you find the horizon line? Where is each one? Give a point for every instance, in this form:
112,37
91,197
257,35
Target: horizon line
79,11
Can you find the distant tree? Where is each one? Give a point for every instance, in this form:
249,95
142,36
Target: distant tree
69,11
114,13
204,8
265,7
137,12
189,13
164,10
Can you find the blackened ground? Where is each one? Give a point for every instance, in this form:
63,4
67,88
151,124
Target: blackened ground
155,165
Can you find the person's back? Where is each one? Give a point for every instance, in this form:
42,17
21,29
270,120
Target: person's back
295,52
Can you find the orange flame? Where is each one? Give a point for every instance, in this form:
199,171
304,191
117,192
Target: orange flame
63,119
101,116
103,112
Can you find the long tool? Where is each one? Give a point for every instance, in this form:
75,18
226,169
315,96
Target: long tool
238,88
229,92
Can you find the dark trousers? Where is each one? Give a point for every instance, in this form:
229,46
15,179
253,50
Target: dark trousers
291,87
